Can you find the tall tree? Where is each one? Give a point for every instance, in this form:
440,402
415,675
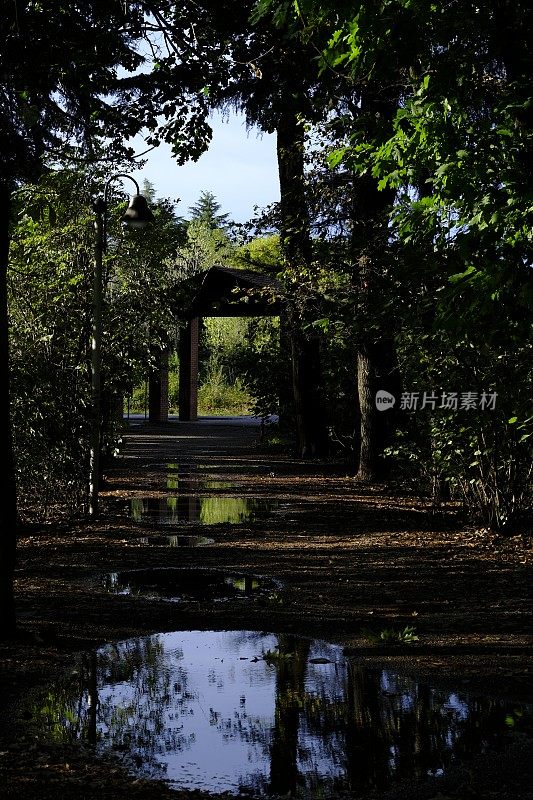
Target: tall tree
206,210
457,151
58,91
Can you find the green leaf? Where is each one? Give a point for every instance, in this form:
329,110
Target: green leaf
336,156
459,276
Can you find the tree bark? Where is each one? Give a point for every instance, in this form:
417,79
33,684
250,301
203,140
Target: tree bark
376,370
8,491
377,367
296,247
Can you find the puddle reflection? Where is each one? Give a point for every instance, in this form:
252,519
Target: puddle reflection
194,508
183,585
176,541
184,477
240,711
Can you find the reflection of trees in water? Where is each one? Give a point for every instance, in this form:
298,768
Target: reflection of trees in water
366,722
358,730
152,693
121,696
331,728
166,510
62,711
397,728
291,664
215,510
208,510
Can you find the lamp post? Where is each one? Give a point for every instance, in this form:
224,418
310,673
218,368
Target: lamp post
138,215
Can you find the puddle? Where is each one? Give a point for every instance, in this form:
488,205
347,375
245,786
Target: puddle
183,477
268,715
176,541
184,585
204,510
196,483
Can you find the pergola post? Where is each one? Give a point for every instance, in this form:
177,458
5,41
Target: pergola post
188,357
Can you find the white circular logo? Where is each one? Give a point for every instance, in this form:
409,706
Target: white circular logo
384,400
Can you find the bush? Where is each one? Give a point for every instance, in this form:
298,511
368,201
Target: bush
217,397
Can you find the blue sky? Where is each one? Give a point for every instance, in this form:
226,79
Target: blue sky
240,169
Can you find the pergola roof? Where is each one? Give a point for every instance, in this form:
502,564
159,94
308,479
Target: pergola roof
224,292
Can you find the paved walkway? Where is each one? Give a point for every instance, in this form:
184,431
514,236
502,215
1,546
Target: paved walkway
247,420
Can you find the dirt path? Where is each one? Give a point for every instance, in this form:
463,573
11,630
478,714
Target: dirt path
351,561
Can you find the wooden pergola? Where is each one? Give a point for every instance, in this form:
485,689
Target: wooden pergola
216,292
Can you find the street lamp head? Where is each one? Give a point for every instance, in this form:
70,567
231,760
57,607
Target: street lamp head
137,215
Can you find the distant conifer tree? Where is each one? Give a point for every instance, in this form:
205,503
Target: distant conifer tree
205,210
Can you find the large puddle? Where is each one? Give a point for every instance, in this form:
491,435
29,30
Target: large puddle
184,585
206,510
267,714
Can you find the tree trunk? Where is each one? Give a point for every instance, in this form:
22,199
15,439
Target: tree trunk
377,367
8,492
310,416
368,449
295,239
287,421
376,370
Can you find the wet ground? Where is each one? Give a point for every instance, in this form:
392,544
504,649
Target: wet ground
396,584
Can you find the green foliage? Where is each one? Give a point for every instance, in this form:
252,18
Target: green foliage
137,401
273,441
50,259
173,383
452,279
392,636
261,253
482,457
204,248
49,107
520,720
217,397
141,274
50,296
260,362
222,339
222,389
241,365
